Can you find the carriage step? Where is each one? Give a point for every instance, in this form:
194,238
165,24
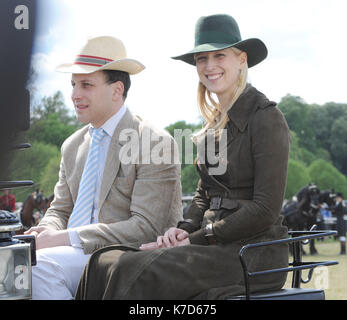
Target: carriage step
286,294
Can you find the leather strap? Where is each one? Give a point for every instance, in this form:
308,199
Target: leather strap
219,202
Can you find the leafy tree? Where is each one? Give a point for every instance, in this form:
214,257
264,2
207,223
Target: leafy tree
297,113
298,177
338,143
295,152
182,131
190,178
321,130
51,124
329,123
50,130
326,176
53,105
324,118
50,175
28,164
51,121
298,153
322,123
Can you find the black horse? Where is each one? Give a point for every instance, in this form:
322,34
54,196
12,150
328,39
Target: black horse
303,212
35,202
328,197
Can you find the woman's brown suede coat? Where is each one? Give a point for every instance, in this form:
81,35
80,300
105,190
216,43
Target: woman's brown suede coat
254,182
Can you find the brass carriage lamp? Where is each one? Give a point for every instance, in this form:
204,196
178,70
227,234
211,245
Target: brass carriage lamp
15,259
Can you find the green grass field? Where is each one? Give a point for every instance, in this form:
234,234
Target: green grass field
333,279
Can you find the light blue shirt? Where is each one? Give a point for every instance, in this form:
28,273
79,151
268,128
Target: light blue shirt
109,126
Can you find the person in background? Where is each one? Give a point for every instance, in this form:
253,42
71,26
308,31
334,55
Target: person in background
322,216
340,210
8,201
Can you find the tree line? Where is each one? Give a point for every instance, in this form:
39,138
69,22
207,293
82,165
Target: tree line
51,122
318,151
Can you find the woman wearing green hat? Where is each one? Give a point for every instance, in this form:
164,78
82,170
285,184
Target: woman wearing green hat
241,205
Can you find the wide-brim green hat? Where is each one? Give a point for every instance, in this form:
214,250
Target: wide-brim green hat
221,31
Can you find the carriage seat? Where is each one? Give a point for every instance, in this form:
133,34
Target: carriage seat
285,294
296,266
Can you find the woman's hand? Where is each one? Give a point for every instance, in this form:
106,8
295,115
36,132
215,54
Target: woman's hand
174,237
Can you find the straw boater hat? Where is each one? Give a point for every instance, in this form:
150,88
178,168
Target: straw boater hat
102,53
220,31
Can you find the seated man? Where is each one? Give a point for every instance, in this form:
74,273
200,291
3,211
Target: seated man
102,197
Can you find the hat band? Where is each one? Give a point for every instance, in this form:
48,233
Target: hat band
216,37
91,60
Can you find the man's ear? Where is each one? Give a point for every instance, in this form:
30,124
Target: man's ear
118,90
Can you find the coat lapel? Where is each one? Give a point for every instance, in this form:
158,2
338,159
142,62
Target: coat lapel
112,161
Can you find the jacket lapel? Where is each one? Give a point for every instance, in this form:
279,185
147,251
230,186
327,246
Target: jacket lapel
112,161
80,157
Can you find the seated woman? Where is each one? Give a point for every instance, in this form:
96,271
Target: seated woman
232,207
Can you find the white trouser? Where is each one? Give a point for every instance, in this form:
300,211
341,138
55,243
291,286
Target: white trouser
57,272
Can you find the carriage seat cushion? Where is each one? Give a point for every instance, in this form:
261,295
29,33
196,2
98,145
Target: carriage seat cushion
286,294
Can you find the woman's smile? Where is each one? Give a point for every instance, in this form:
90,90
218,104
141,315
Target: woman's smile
214,76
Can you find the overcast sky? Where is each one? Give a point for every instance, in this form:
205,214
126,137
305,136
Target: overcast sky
306,40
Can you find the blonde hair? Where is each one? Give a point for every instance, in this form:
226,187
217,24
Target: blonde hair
215,117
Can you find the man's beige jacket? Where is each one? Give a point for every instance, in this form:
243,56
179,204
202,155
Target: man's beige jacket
139,199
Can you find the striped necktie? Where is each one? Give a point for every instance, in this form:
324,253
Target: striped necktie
82,211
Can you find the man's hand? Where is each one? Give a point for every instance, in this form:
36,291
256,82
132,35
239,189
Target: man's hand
47,237
174,237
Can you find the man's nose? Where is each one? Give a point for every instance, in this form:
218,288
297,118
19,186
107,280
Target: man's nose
75,94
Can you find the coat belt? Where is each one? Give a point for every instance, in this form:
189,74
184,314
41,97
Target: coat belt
219,202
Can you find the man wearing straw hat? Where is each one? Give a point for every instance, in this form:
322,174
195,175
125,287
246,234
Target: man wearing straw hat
101,200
